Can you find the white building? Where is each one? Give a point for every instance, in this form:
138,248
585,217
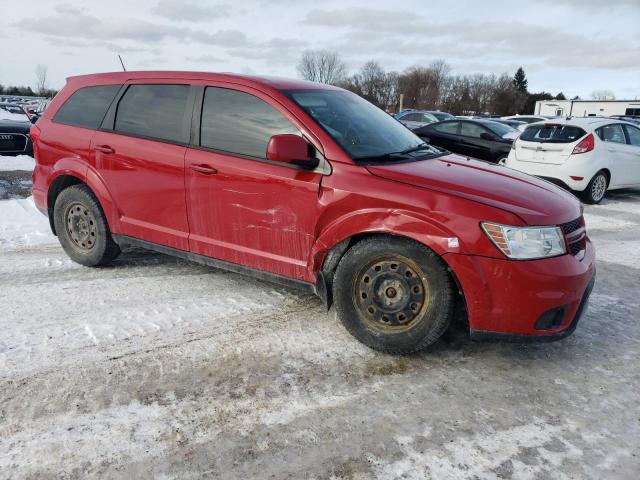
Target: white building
587,108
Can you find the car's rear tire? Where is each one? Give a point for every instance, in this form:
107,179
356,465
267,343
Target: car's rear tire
82,228
597,188
393,294
502,160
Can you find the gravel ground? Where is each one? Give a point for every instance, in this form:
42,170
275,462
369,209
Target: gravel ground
154,367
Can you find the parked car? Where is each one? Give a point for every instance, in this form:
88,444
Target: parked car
415,118
587,155
527,118
313,187
14,134
441,116
482,139
12,108
516,124
635,119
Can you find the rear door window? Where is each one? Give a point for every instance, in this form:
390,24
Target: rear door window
552,133
87,106
469,129
240,123
634,135
447,127
155,111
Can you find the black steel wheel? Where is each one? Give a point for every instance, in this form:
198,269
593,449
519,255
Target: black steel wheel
82,228
393,294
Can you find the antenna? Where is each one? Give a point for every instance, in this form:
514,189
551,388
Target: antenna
122,63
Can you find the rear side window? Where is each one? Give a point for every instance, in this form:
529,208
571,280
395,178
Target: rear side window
471,130
612,134
155,111
552,133
448,127
87,106
237,122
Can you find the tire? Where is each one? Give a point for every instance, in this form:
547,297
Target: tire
82,228
502,160
386,308
597,188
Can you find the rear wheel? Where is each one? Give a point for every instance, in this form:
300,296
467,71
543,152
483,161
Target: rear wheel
595,191
82,228
502,160
393,294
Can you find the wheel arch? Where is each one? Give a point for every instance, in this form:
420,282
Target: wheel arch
66,177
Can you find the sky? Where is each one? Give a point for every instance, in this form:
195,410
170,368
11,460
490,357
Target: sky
573,46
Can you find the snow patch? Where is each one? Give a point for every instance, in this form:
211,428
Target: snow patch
23,225
19,162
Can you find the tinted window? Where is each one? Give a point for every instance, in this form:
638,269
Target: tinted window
237,122
87,106
413,117
471,130
447,127
499,129
612,133
156,111
552,133
634,135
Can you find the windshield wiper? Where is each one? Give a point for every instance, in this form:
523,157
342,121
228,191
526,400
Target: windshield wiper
394,155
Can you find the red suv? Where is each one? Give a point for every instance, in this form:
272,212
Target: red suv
310,186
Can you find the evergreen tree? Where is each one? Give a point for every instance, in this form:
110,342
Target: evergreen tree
520,81
560,96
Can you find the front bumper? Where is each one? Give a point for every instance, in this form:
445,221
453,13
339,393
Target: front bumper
506,298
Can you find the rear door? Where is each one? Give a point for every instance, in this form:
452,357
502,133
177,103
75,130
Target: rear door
472,143
140,153
443,134
243,208
633,149
621,158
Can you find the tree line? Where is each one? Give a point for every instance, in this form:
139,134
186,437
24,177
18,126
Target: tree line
433,87
41,90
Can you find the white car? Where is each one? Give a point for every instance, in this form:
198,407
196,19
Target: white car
527,118
413,119
587,155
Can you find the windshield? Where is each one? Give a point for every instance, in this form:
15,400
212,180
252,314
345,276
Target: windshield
364,131
552,133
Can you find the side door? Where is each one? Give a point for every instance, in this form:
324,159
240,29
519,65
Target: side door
472,142
140,151
632,153
617,152
243,208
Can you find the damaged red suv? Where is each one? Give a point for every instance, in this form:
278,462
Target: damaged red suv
310,186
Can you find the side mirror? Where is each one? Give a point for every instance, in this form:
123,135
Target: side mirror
290,148
487,136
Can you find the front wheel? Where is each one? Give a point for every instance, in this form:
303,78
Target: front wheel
393,294
594,193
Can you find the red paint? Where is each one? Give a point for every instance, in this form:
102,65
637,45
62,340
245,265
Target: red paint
276,217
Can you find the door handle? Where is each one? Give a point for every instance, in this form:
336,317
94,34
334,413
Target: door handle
104,149
204,169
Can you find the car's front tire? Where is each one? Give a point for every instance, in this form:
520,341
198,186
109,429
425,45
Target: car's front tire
596,189
393,294
82,228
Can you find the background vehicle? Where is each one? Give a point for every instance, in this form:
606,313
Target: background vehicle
516,124
12,108
587,155
415,118
527,118
14,134
483,139
441,116
311,186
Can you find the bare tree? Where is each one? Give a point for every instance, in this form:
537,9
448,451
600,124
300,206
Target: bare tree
41,79
375,85
603,95
322,66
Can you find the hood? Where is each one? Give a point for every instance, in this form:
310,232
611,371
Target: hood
13,126
535,201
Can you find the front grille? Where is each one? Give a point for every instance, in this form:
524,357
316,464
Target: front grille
12,142
574,235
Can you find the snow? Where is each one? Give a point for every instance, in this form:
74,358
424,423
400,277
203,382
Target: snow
19,162
18,117
22,225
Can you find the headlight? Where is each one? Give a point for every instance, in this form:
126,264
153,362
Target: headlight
526,243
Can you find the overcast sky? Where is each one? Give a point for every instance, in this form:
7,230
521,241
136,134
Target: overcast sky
573,46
